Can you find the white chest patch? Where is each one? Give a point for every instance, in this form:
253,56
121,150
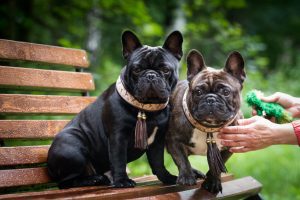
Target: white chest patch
199,141
152,136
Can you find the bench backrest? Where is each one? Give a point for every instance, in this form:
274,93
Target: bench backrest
31,98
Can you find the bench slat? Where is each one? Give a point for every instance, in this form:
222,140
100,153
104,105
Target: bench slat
241,188
236,189
22,177
17,77
23,155
30,129
148,187
42,104
64,193
26,51
145,191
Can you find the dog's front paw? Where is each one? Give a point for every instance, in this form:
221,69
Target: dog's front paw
212,184
186,179
124,183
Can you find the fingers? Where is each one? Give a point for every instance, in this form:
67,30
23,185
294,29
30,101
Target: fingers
243,126
233,143
235,137
272,119
241,149
240,138
238,146
244,122
234,129
254,112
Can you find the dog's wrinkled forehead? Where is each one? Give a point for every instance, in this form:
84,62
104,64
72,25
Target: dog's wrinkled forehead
212,77
151,56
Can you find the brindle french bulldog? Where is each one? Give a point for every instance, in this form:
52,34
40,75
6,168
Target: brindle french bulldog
101,137
213,100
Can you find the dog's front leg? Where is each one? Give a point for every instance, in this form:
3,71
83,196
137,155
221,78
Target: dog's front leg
180,157
118,159
155,155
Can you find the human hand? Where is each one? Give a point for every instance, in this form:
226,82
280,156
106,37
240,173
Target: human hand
289,103
256,133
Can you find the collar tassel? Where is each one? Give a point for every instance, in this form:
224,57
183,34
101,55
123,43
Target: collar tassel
141,131
214,158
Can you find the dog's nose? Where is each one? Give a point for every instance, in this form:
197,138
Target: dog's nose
210,100
151,76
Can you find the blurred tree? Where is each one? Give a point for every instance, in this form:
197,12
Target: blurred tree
209,31
278,25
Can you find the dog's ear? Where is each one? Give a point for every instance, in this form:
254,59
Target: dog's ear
235,66
173,44
195,64
130,43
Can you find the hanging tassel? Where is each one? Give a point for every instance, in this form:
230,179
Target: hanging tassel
214,158
141,132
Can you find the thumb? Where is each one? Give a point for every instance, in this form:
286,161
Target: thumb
271,98
247,121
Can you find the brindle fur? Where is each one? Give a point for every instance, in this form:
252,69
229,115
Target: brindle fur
180,130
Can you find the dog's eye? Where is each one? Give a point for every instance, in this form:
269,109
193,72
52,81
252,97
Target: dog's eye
137,70
226,92
198,92
165,70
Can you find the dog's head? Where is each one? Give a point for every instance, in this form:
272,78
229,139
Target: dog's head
151,73
214,95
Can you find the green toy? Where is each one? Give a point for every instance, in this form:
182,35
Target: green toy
267,109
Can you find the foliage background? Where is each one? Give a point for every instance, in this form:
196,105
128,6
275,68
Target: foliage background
265,32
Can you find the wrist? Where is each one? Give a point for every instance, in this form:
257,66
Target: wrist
284,134
297,107
296,127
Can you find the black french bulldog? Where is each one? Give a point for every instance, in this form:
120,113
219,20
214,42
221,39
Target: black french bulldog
212,99
102,136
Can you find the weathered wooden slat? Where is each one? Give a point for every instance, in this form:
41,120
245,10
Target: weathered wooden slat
42,104
144,191
22,177
23,155
30,129
14,50
241,188
235,189
16,77
147,186
72,192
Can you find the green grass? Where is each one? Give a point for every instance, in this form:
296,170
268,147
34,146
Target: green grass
277,168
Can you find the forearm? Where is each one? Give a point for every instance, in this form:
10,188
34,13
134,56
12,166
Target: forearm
284,134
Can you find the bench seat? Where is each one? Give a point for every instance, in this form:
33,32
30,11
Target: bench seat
37,102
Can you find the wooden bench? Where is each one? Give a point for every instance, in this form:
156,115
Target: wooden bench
39,97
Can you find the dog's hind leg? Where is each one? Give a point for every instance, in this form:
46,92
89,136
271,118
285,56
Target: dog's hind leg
85,181
69,165
75,171
89,178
